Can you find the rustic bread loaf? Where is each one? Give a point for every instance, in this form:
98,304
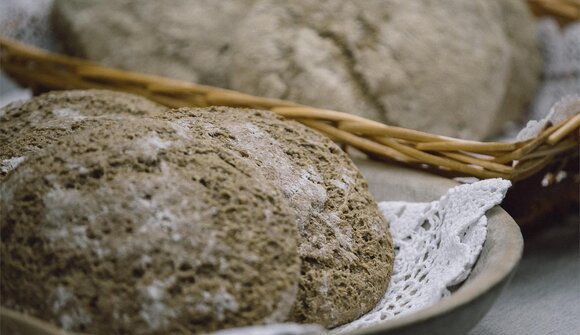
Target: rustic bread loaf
453,67
184,39
133,226
344,244
34,124
110,193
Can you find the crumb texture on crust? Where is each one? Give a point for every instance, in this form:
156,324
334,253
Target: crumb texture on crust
134,226
344,243
29,126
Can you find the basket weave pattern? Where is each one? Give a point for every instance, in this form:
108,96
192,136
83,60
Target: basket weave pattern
454,157
565,11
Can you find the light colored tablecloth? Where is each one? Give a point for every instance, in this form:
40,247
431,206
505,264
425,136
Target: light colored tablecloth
544,295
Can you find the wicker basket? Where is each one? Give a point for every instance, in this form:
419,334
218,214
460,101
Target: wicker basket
541,156
565,11
449,156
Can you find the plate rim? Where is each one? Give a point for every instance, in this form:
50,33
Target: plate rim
506,236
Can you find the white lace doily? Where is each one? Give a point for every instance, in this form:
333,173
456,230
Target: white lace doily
436,245
560,111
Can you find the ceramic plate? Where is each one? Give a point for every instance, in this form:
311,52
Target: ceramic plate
502,250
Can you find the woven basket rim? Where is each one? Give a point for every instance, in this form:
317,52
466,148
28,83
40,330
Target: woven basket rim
444,155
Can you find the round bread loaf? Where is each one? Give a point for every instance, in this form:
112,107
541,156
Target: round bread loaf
452,67
34,124
184,39
345,247
134,226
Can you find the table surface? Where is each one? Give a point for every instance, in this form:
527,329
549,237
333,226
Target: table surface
544,295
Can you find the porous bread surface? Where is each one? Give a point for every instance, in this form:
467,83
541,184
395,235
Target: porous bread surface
345,246
449,67
184,39
140,227
34,124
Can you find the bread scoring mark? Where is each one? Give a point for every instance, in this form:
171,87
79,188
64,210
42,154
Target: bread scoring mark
220,302
345,182
61,205
153,309
150,145
181,127
66,306
302,186
68,114
10,164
